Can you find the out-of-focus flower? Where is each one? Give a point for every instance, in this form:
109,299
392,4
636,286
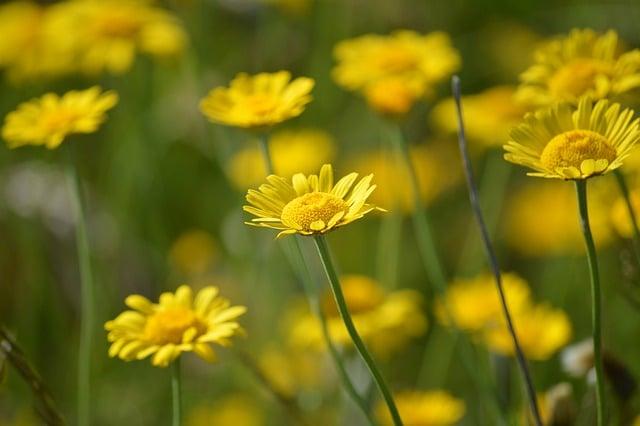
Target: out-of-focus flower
178,323
556,406
386,321
290,155
106,35
290,370
436,166
258,101
620,214
309,205
193,253
393,96
582,63
568,143
50,119
534,231
541,330
474,303
577,359
488,116
235,409
418,408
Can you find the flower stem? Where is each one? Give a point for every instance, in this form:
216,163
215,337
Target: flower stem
325,257
596,303
624,189
493,261
388,256
266,154
86,295
176,392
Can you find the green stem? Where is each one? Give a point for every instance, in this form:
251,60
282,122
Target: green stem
176,392
297,260
325,257
596,302
266,154
624,189
388,256
87,296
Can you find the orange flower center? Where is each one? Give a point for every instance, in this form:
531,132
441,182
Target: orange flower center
118,23
169,325
313,211
570,149
394,59
260,104
59,120
577,78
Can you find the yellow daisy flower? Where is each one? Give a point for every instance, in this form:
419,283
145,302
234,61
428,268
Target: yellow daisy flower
424,408
258,101
50,119
290,153
309,205
542,331
385,321
583,63
193,253
234,409
574,143
178,323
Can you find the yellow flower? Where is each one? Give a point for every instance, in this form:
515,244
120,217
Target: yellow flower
309,205
290,370
568,143
50,119
193,253
403,54
554,230
386,321
541,330
257,101
178,323
488,115
393,96
235,409
582,63
106,35
424,408
436,165
290,154
473,303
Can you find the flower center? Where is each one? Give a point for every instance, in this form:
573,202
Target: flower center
59,120
576,78
570,149
117,23
312,211
391,96
259,104
169,325
396,59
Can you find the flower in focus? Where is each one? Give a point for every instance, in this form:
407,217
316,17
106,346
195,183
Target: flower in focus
534,231
574,143
583,63
178,323
436,166
474,303
541,330
235,409
50,119
106,35
257,101
488,115
309,204
386,321
418,408
193,253
290,153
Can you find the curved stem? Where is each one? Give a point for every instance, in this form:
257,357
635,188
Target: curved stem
596,302
176,392
624,189
266,154
325,257
87,295
491,255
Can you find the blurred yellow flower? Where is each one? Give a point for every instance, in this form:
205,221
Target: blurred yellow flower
258,101
106,35
290,370
553,230
436,165
50,119
620,217
424,408
403,54
571,143
393,96
474,303
542,331
232,410
290,153
309,205
193,253
488,116
178,323
582,63
385,321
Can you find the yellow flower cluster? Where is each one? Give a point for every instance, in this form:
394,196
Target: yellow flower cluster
473,305
426,408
